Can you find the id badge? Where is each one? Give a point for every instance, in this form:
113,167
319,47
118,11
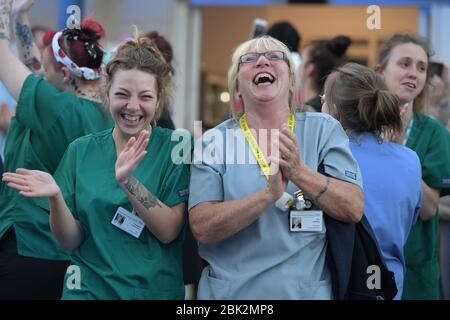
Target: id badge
306,221
128,222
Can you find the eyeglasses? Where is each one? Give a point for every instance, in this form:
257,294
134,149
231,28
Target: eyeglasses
252,57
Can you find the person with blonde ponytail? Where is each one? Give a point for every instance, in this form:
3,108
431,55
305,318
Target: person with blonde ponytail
360,100
118,199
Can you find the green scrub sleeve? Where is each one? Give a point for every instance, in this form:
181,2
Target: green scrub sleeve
65,178
41,104
436,163
176,182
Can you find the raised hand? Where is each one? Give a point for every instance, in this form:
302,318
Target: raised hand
397,136
22,6
277,182
32,183
131,156
289,160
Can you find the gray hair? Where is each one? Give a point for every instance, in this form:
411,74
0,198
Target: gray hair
261,43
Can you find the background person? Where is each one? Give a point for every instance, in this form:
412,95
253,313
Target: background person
403,62
320,58
358,97
50,114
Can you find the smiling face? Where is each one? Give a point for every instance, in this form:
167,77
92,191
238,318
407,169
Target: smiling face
264,76
133,100
405,72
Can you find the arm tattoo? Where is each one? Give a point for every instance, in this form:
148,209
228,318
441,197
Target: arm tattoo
24,34
145,197
5,12
33,64
5,33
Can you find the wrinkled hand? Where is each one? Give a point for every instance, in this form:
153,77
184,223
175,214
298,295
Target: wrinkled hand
32,183
22,6
5,117
131,156
289,160
277,182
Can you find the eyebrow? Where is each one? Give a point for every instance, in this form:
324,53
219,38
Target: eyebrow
140,92
411,58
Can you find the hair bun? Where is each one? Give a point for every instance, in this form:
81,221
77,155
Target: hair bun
92,29
163,45
339,45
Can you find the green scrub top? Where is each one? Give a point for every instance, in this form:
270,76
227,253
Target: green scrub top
112,263
46,121
431,141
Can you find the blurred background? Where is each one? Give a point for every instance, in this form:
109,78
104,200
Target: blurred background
203,34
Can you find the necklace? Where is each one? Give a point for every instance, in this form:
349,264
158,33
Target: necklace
86,94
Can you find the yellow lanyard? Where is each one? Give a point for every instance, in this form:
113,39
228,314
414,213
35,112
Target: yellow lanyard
254,145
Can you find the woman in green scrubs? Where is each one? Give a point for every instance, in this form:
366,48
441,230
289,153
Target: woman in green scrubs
50,114
403,61
125,190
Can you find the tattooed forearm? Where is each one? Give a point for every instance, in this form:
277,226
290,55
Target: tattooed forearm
5,32
24,34
33,64
145,197
26,47
5,12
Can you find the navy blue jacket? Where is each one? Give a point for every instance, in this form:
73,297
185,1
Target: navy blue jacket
352,248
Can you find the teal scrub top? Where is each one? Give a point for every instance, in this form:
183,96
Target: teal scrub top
46,121
114,264
431,141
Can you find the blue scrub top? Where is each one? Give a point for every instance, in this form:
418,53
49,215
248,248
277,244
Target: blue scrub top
392,195
265,260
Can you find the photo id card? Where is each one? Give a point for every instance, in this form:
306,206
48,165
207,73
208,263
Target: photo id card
306,221
128,222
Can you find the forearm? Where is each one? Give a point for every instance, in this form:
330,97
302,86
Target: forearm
430,202
5,13
26,47
164,222
341,200
12,72
63,225
211,222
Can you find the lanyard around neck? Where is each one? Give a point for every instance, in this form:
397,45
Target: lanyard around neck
408,131
254,144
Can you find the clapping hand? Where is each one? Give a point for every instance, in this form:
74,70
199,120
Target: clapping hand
131,156
32,183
